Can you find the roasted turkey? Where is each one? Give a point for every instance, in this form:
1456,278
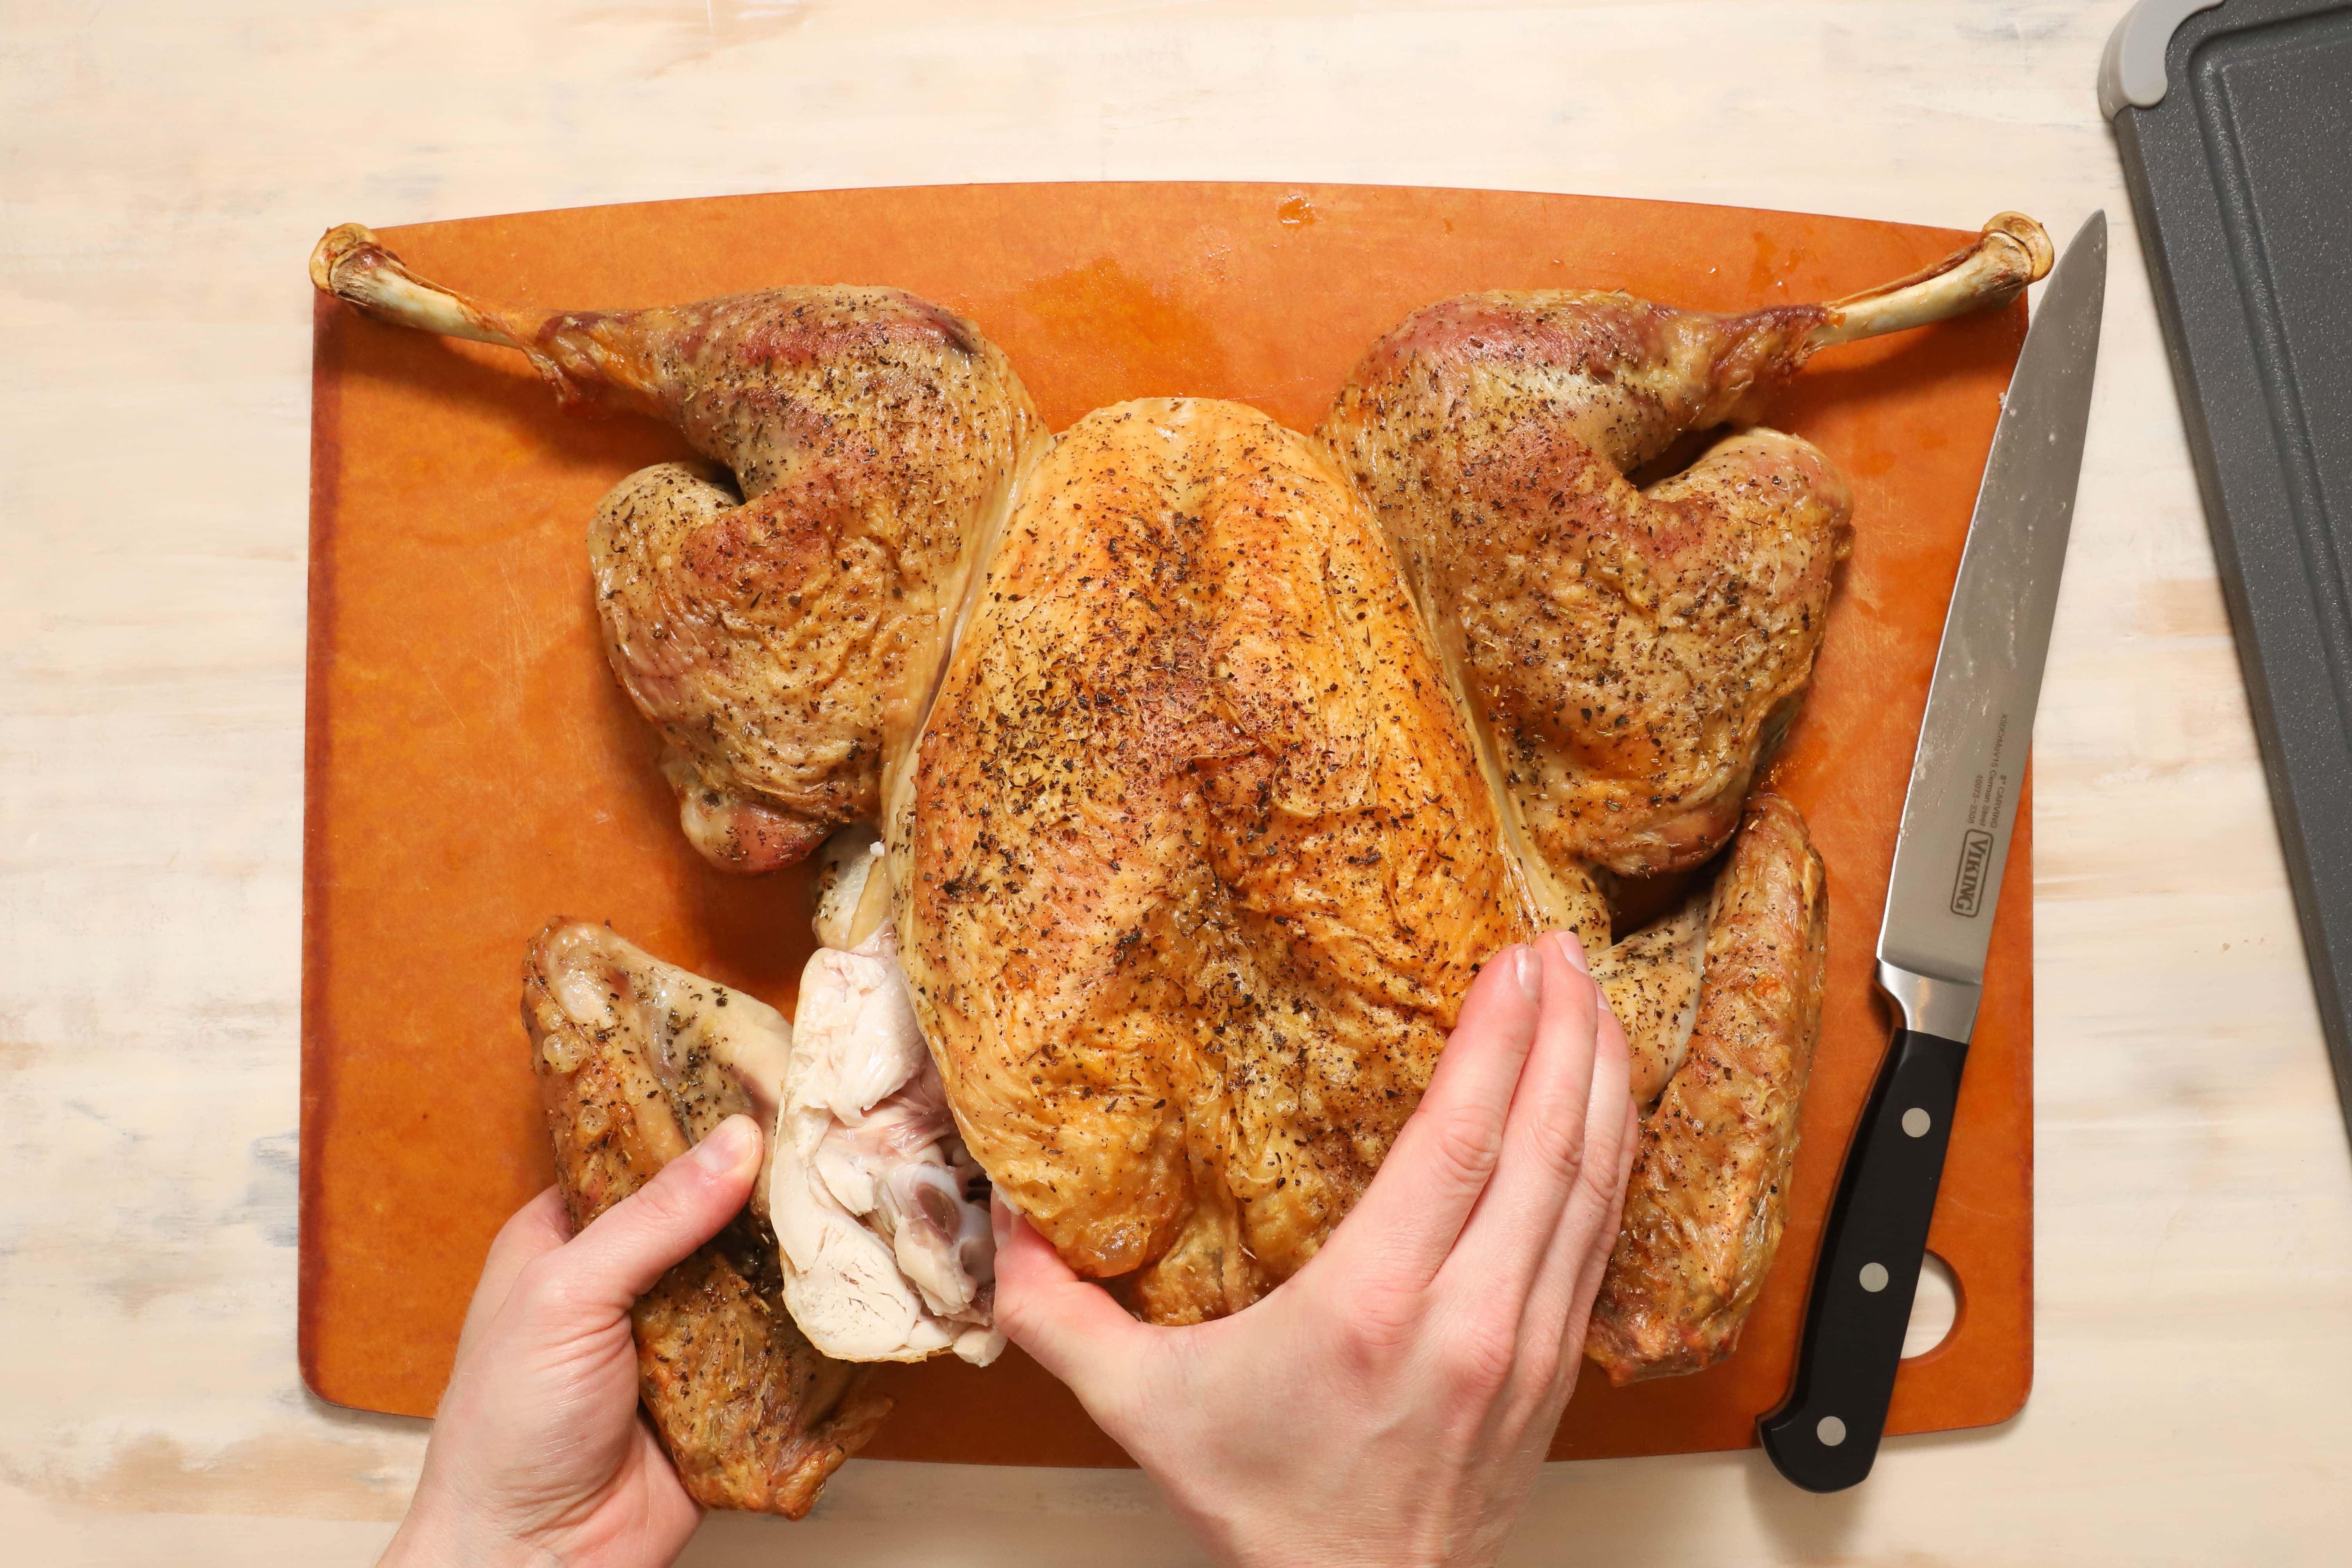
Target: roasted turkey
1208,762
1630,653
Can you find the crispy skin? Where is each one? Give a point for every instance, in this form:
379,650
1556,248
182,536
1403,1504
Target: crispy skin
752,1417
782,619
1630,655
1653,981
1709,1188
1198,861
784,628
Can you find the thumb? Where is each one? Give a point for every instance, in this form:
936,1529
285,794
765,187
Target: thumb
628,1246
533,1231
1069,1326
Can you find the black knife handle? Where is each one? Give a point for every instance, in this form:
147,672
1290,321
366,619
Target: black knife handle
1825,1435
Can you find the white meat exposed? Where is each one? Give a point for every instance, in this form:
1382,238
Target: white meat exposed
880,1217
881,1214
845,879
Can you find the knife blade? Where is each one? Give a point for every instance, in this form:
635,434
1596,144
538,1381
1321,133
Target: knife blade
1948,859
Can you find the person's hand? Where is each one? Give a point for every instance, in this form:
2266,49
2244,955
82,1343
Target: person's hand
538,1454
1390,1403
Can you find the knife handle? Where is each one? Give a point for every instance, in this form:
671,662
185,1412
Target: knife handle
1825,1435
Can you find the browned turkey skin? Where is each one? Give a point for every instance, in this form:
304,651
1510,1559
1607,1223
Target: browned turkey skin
870,443
1708,1193
1199,862
1630,655
1628,652
754,1417
1250,747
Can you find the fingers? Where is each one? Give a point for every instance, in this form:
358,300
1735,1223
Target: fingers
1069,1326
1573,1266
1598,1249
1593,1268
1507,1243
1587,1216
1412,1212
628,1246
1536,1244
532,1231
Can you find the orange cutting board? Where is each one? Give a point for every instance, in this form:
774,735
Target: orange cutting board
472,768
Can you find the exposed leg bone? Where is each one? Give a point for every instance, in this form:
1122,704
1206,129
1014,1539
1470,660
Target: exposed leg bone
2011,253
352,265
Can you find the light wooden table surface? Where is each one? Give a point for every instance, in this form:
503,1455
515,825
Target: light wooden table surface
165,169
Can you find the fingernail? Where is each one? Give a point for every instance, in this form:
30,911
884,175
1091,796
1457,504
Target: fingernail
1528,970
732,1144
1571,948
999,1219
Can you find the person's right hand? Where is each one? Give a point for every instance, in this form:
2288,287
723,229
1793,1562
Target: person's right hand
539,1455
1390,1403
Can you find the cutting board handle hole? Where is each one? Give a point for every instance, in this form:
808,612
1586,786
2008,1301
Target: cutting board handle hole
1935,1308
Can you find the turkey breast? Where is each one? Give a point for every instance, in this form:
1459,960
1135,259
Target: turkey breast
1199,860
882,1215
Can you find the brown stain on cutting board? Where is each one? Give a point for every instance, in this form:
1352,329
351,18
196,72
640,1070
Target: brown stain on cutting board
1126,337
472,770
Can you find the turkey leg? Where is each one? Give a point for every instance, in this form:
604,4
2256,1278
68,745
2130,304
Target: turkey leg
1630,654
782,623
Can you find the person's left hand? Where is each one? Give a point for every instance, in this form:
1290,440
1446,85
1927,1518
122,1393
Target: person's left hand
538,1454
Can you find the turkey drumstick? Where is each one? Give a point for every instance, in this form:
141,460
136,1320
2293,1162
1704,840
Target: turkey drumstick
2011,253
871,442
1629,655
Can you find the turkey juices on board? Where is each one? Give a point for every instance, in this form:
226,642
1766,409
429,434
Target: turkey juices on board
1247,748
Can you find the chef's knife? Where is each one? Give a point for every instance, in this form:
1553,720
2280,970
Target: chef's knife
1939,899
